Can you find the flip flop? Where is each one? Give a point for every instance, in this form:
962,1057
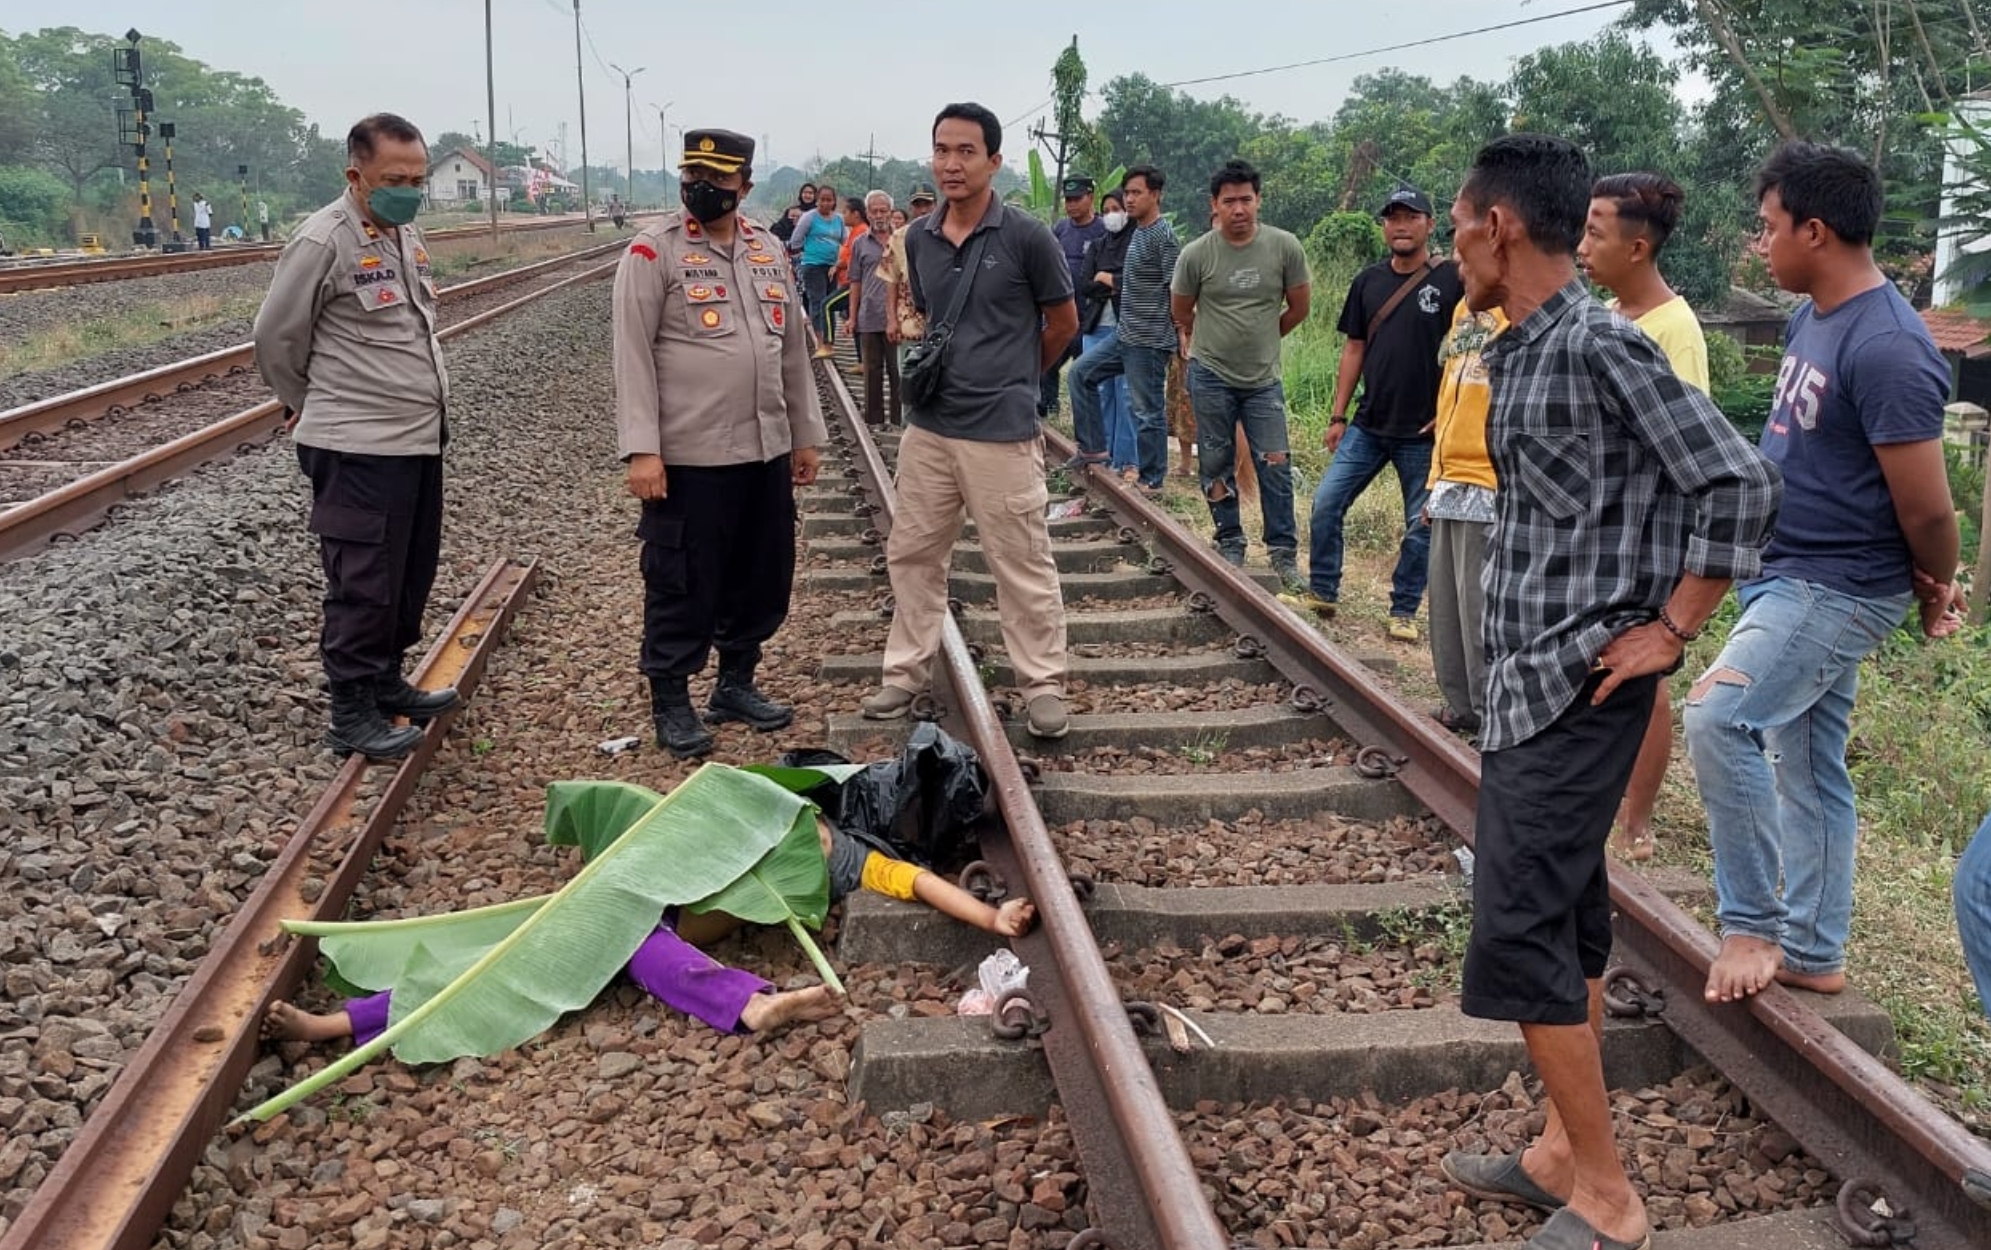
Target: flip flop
1566,1230
1498,1177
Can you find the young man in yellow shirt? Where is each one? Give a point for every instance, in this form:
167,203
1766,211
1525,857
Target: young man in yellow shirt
1631,217
1459,512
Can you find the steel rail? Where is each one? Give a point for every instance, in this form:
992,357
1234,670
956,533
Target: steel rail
109,398
70,509
1853,1113
1143,1191
116,1183
36,276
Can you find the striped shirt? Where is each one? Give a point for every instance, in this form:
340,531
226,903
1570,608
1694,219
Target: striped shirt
1145,320
1615,477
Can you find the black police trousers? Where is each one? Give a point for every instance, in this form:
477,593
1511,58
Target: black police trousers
718,564
379,526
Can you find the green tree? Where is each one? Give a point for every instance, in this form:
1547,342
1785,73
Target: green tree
33,204
74,117
1186,138
17,106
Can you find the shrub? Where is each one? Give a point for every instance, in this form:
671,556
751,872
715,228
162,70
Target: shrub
34,207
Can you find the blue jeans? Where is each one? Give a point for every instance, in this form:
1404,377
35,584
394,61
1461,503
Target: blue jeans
1220,409
1359,460
1972,893
1116,434
1146,372
816,297
1767,728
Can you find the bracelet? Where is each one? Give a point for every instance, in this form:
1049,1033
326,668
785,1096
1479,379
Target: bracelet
1337,420
1683,635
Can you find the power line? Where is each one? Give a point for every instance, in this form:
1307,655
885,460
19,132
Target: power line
1398,47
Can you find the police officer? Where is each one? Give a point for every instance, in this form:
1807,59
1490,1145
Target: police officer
716,415
346,338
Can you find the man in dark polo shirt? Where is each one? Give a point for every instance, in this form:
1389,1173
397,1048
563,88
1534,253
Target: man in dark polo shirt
974,445
1076,232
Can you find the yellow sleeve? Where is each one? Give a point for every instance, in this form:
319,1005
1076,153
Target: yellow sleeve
891,877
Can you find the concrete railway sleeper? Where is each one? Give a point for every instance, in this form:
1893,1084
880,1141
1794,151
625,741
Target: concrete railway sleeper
1139,801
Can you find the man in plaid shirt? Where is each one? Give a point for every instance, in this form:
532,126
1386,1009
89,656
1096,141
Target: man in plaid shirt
1627,504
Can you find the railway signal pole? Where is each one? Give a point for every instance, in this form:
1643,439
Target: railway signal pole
178,242
130,74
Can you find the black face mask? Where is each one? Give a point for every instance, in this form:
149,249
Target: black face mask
706,202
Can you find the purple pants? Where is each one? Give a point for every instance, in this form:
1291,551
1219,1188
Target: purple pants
670,968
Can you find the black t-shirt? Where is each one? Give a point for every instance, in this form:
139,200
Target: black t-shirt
1400,369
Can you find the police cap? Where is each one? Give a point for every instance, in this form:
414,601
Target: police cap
724,150
922,192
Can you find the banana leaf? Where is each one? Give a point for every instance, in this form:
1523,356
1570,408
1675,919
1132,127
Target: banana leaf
802,779
718,828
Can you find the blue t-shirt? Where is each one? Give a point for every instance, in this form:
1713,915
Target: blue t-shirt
818,238
1864,375
1074,239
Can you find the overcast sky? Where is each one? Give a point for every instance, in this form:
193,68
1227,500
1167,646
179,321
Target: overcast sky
804,79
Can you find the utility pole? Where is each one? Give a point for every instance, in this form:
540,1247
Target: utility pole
871,155
1062,152
491,107
629,125
581,87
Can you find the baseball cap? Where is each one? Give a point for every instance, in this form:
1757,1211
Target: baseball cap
922,192
1077,186
1406,196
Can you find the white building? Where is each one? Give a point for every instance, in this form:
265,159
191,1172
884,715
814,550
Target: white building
459,176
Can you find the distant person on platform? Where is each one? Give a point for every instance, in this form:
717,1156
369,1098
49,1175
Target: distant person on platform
1076,231
1395,317
346,339
203,223
716,415
1631,217
973,446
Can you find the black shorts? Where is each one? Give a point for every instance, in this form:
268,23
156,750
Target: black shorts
1541,899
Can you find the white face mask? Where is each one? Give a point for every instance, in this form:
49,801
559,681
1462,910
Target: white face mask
1116,221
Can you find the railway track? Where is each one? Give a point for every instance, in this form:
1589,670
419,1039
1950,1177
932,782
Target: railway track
41,275
67,461
1239,809
1335,739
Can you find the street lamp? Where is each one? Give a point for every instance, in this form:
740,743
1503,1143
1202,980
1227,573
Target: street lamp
664,133
629,125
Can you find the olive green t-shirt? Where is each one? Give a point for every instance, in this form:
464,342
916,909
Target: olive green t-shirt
1240,293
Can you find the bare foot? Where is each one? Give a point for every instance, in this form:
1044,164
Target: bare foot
1744,967
1816,982
766,1012
284,1022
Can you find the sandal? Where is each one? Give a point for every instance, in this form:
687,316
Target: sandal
1499,1177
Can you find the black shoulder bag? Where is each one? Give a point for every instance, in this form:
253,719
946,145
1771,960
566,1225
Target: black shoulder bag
925,363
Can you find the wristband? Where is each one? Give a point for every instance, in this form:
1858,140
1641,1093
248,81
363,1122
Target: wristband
1337,420
1666,622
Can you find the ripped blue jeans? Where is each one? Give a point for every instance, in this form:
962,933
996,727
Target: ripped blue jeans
1767,726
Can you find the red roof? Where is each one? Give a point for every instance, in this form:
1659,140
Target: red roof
1957,331
469,154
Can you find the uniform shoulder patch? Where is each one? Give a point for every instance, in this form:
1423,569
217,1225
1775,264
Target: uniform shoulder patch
640,248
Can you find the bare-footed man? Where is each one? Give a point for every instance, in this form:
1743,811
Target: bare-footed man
1856,426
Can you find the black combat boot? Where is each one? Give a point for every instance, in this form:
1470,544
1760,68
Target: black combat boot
678,730
735,698
358,726
394,696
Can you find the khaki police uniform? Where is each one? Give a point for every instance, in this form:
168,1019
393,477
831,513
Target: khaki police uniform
713,374
346,338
